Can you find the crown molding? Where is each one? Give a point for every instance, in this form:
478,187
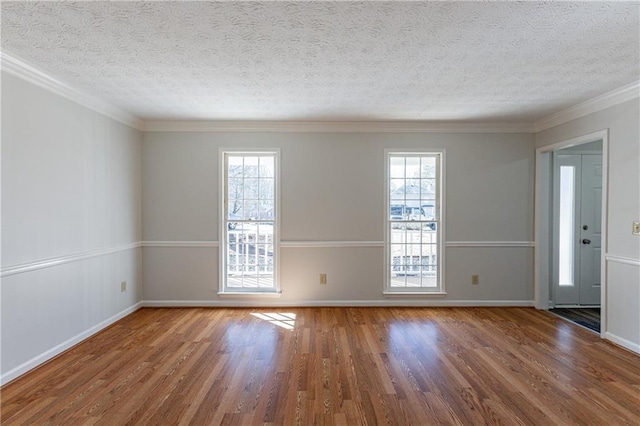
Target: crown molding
335,126
21,69
606,100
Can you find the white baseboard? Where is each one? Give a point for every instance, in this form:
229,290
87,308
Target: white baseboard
331,303
627,344
67,344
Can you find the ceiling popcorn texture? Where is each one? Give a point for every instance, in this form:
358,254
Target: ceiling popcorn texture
497,61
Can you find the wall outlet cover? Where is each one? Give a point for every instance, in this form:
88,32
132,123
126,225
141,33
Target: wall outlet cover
636,227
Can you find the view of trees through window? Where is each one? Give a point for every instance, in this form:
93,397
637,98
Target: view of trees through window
250,221
413,220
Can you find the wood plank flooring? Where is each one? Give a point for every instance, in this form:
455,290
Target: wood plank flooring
398,366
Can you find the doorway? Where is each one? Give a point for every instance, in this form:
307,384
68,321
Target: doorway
570,233
577,230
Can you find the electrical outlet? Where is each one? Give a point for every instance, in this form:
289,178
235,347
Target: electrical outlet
475,279
123,286
323,278
636,228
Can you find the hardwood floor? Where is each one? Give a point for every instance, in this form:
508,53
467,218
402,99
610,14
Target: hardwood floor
417,366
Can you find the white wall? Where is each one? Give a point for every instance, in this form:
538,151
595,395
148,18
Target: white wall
332,191
623,248
71,223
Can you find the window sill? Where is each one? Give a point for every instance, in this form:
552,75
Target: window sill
273,294
414,293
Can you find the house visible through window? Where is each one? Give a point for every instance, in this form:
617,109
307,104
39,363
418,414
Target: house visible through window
413,229
249,222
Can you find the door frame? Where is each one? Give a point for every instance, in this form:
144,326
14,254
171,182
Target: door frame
544,219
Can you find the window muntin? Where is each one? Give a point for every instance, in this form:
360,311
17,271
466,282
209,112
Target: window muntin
413,227
249,225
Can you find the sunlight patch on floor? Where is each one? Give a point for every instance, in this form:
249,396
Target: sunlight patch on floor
282,319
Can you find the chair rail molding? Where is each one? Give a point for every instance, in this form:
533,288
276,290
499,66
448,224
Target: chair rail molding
61,260
336,244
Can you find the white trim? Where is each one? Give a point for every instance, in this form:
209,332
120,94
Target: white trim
336,126
339,244
67,344
600,135
335,303
190,244
627,344
47,263
606,100
25,71
330,244
623,260
490,244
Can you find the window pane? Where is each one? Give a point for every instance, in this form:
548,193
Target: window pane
267,189
235,210
250,166
235,163
250,210
251,190
412,191
396,189
428,167
267,166
413,167
266,210
396,167
234,189
428,188
566,226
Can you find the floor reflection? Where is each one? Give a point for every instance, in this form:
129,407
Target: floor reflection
285,320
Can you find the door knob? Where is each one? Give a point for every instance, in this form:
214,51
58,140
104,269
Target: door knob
586,241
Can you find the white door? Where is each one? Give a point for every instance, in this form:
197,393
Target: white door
577,229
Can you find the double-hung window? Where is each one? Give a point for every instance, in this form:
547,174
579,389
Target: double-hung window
249,225
414,210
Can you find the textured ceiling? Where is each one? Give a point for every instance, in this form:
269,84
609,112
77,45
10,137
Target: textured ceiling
500,61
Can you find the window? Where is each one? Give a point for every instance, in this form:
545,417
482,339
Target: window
249,224
413,236
566,225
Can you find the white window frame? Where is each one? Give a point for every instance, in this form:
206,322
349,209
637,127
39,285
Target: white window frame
222,230
439,290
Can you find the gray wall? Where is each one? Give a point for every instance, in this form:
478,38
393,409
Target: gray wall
332,191
623,248
71,223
